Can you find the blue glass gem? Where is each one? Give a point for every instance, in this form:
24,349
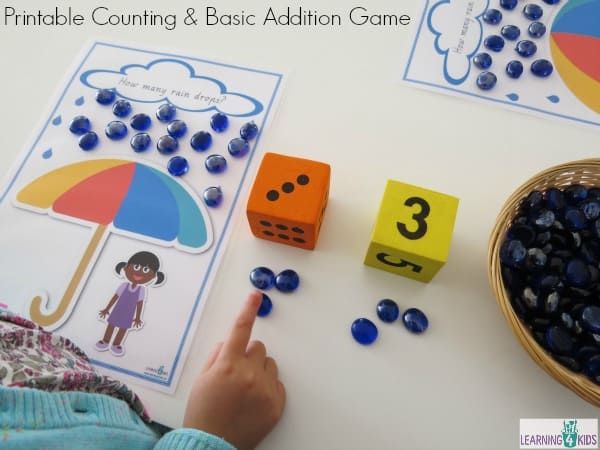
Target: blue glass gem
201,141
513,253
88,141
486,80
590,252
513,278
559,340
574,219
543,238
166,112
482,60
532,11
566,320
540,323
510,32
287,281
492,16
266,306
364,331
590,209
514,69
213,196
167,144
80,125
587,351
415,320
555,199
178,166
215,164
238,147
105,96
592,367
590,318
494,43
595,227
530,298
543,219
534,201
536,29
141,122
575,194
509,4
522,232
550,305
526,48
140,142
177,128
121,108
577,273
219,122
262,278
249,131
387,310
542,68
594,193
116,130
535,260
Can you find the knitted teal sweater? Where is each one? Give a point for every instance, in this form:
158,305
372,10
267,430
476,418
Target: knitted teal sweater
34,419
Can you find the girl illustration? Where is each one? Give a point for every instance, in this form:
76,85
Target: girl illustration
128,301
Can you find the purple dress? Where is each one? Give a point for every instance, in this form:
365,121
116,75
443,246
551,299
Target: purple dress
124,310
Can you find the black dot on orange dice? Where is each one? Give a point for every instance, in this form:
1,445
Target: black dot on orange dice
265,223
298,230
272,195
302,179
268,233
287,187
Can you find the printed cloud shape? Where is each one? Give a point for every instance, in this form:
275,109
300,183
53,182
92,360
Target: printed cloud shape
174,81
458,31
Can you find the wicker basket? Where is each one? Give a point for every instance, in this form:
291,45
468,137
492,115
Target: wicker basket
587,173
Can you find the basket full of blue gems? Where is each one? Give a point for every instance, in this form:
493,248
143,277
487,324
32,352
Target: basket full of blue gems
544,269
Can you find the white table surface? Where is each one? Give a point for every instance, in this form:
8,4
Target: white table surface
466,382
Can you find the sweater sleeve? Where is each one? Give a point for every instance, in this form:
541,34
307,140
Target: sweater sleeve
191,439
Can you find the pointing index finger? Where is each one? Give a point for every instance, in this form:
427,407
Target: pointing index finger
240,333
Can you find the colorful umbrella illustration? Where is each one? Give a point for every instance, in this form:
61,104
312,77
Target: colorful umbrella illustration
575,46
115,196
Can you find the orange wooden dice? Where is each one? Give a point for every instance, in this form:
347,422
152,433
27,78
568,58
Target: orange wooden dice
288,199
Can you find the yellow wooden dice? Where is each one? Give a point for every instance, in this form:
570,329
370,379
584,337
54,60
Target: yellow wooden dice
412,232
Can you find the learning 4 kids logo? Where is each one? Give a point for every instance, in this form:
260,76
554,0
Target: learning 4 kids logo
160,373
558,433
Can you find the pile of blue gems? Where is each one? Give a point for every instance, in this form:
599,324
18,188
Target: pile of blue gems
365,331
264,279
525,48
167,144
550,266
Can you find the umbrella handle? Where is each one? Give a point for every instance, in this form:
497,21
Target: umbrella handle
35,309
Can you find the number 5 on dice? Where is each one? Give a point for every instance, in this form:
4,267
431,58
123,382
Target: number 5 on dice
412,232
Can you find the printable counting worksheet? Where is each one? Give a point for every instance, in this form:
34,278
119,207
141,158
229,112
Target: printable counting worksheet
116,214
534,56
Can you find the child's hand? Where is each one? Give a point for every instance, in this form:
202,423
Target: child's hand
238,395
